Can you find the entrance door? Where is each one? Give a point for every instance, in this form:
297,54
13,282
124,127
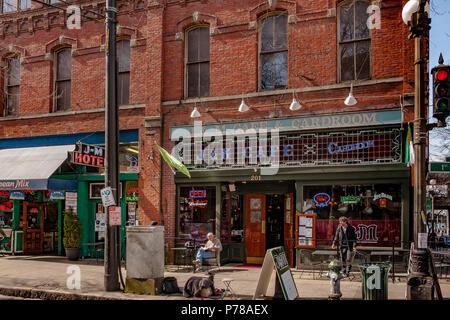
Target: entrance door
255,233
32,228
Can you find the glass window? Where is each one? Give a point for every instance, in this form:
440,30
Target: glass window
131,198
232,219
197,62
63,79
374,210
123,75
354,41
273,52
13,86
197,212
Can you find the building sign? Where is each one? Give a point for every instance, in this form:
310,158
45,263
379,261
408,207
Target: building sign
302,149
361,119
71,201
14,184
56,195
322,199
17,195
198,203
88,155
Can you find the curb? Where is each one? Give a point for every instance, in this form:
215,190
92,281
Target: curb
30,293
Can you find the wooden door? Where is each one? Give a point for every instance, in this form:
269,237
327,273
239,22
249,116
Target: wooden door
33,228
255,231
289,213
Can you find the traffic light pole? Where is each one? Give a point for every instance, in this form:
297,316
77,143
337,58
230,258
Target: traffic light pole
419,281
112,234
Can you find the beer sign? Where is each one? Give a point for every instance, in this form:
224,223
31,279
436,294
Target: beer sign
88,155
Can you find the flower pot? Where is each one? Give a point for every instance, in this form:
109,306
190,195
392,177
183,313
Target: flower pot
73,254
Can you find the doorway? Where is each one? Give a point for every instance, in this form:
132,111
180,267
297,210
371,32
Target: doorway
268,224
33,228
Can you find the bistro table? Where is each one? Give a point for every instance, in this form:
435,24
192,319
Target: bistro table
185,253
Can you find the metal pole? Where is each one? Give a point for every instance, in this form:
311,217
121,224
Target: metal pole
112,235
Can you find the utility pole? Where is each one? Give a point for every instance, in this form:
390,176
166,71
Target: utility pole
112,234
419,281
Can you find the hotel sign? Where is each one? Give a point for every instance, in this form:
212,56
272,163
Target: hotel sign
330,121
88,155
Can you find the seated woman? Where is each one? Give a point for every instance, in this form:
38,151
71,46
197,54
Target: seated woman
208,251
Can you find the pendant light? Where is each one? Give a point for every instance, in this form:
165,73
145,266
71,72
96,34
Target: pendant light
243,107
350,101
295,105
195,113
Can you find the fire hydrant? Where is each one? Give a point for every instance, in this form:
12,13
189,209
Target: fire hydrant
335,276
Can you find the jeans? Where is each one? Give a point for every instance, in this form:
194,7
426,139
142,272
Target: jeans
346,259
203,254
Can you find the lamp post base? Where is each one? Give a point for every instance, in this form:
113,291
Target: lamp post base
420,285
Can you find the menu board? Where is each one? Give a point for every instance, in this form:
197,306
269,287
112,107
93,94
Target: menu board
305,230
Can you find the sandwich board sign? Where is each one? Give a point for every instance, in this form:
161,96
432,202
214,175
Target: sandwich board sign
276,257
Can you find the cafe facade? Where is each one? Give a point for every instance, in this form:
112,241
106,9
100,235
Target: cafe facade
40,180
256,183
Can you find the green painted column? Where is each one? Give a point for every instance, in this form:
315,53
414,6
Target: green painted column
406,216
83,212
60,227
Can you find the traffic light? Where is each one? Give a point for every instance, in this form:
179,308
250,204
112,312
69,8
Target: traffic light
441,92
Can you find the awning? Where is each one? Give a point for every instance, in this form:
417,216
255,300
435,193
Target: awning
30,168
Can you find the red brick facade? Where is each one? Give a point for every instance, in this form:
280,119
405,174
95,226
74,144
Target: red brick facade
157,98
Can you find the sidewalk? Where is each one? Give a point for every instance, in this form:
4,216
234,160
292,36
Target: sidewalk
45,277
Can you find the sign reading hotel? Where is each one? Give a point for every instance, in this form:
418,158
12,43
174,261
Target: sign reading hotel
88,155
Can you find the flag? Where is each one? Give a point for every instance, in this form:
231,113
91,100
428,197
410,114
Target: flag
409,148
174,162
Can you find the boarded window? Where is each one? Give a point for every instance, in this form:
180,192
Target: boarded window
123,72
273,52
12,87
63,79
354,41
197,62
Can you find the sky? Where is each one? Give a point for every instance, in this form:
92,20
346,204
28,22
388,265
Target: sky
439,42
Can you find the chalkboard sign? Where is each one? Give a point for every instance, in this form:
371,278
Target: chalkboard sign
305,230
276,257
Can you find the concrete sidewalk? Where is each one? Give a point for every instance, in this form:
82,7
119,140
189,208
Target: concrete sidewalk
45,277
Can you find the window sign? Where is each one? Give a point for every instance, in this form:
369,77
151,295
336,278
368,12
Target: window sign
305,230
350,199
322,199
17,195
197,194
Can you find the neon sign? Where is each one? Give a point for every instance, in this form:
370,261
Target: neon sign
195,194
322,199
350,199
198,203
382,196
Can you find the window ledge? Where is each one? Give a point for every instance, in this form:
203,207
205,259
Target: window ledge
356,83
69,113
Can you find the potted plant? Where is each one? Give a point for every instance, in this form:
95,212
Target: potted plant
72,235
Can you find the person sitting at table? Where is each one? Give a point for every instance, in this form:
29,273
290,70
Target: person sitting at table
208,251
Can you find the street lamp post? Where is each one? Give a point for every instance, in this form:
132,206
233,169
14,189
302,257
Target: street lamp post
419,281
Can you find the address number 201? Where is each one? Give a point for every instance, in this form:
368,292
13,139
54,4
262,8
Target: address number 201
255,177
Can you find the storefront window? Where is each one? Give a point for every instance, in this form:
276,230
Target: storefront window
197,212
6,219
131,198
374,210
128,159
232,228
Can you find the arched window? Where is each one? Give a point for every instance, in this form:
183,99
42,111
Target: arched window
63,72
197,62
12,86
123,72
273,52
354,41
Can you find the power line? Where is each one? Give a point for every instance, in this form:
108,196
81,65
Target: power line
63,9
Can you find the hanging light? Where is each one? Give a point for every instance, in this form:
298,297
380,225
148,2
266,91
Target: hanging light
350,101
295,105
195,113
243,107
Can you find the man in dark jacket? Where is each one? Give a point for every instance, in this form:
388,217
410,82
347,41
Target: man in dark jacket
346,238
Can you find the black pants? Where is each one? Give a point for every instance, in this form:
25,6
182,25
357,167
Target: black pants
346,259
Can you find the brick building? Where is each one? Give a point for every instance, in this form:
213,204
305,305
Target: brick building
176,56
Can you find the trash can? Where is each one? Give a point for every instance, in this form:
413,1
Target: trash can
374,280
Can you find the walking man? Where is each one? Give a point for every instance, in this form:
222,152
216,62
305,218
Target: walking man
208,251
346,238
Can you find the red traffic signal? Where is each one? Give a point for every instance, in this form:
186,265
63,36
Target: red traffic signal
442,75
441,92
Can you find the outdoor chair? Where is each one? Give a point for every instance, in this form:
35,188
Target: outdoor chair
212,262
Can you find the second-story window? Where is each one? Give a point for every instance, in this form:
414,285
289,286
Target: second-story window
63,73
12,86
197,62
123,72
273,52
14,5
354,41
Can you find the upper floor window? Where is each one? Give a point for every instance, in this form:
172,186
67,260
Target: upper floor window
273,52
63,72
12,87
354,41
197,62
123,72
14,5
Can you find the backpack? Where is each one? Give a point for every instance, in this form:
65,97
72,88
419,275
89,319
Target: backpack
170,285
